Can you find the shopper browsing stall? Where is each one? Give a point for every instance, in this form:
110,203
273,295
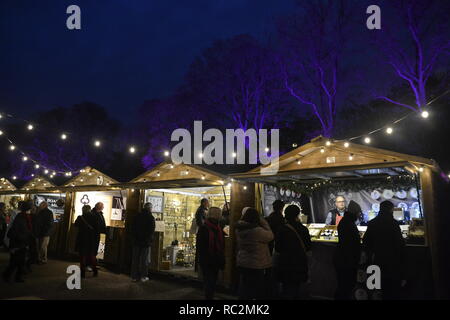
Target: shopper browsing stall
348,253
142,231
211,248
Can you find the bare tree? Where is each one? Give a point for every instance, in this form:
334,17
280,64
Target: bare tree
414,42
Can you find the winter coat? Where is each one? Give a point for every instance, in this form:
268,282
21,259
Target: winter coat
210,246
44,221
100,225
3,227
276,221
143,228
20,234
383,240
348,251
253,245
292,260
86,243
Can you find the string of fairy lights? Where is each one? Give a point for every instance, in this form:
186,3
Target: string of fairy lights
38,166
64,136
387,128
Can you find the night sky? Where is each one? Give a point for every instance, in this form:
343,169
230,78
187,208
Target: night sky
126,52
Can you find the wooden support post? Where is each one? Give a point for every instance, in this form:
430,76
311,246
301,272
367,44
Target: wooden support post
240,199
435,207
133,206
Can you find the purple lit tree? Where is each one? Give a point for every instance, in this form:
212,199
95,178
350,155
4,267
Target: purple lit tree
313,42
415,42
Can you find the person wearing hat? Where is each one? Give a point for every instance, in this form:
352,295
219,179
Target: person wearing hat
20,237
348,252
292,243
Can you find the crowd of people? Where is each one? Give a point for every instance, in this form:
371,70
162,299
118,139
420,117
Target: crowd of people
26,235
272,257
273,253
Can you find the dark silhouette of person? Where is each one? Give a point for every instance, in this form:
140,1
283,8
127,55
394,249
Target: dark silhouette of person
292,242
20,237
86,243
142,230
385,248
348,253
211,248
276,220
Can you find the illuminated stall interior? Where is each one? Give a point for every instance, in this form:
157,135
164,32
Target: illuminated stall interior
313,175
89,187
175,192
10,196
40,189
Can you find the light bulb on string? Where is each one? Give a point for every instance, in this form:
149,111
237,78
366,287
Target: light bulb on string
12,147
14,177
389,130
1,132
346,144
367,140
234,154
36,166
322,150
132,149
166,153
266,149
25,158
97,143
328,143
350,157
63,136
46,171
425,114
30,127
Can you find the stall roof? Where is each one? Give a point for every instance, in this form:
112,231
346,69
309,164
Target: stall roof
324,158
6,185
168,175
88,179
37,184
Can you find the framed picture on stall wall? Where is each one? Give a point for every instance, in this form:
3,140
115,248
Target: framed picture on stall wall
157,203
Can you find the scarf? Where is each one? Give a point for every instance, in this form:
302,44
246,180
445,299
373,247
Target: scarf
215,243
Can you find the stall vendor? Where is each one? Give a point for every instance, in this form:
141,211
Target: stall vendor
335,215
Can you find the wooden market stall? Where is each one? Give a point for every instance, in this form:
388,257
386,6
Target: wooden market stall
87,188
175,191
37,190
312,175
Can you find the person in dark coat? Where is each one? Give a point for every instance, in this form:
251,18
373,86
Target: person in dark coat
292,243
20,236
97,213
142,231
385,247
200,216
45,226
276,220
348,252
86,243
3,224
211,248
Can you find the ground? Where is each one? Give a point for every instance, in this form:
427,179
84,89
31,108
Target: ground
48,282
